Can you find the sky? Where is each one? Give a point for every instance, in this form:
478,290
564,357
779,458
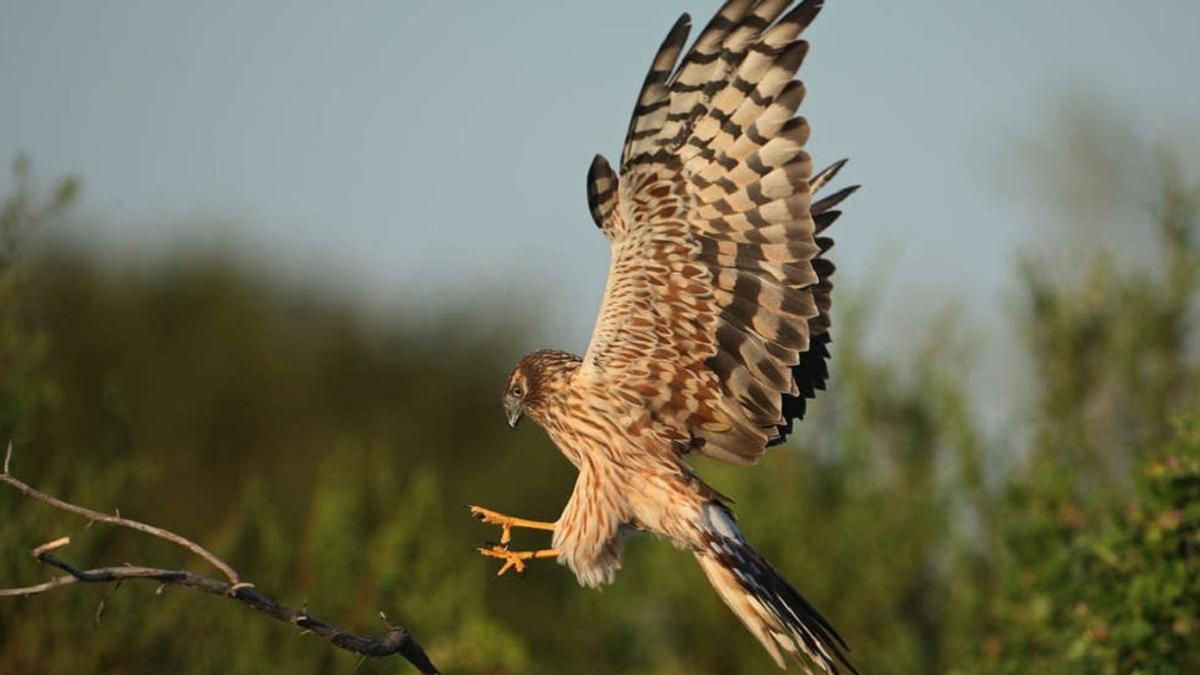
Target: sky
436,151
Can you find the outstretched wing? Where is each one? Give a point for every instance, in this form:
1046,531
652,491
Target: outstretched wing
715,320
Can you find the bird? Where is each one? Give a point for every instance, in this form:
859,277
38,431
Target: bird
714,329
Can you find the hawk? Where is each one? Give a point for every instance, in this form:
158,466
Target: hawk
714,328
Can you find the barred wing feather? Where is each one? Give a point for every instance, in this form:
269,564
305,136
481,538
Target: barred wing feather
715,321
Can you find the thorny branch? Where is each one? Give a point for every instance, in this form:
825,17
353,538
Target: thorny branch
397,640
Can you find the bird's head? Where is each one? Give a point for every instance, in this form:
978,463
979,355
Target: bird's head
533,383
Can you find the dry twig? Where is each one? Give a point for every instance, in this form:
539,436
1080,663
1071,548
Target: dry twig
397,640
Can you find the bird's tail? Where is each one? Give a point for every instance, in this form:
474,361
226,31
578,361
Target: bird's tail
776,614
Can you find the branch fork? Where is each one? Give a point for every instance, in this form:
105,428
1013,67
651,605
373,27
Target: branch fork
397,639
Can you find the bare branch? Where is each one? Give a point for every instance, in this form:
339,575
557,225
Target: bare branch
117,520
397,639
51,546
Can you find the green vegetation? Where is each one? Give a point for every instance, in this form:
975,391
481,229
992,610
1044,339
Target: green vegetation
329,459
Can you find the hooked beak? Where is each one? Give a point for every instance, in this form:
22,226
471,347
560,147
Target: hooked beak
514,415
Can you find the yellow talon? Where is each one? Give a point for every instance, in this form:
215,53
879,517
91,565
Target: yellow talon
510,558
507,523
515,559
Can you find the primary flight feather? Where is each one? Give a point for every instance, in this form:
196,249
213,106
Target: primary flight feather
714,328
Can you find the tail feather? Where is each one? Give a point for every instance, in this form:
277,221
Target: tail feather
774,612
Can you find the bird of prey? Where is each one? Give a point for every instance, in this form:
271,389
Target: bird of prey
714,328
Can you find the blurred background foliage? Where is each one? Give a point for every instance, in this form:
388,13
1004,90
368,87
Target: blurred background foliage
329,455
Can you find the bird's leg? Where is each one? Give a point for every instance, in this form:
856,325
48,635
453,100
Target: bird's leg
507,523
512,559
515,559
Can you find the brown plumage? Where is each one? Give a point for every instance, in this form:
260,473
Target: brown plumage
714,328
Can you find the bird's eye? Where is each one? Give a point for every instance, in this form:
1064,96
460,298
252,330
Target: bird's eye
518,391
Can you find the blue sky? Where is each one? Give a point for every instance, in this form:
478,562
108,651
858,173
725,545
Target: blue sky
400,150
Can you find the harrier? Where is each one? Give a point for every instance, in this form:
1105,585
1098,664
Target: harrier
714,328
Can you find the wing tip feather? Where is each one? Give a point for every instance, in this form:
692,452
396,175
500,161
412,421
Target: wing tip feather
599,194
